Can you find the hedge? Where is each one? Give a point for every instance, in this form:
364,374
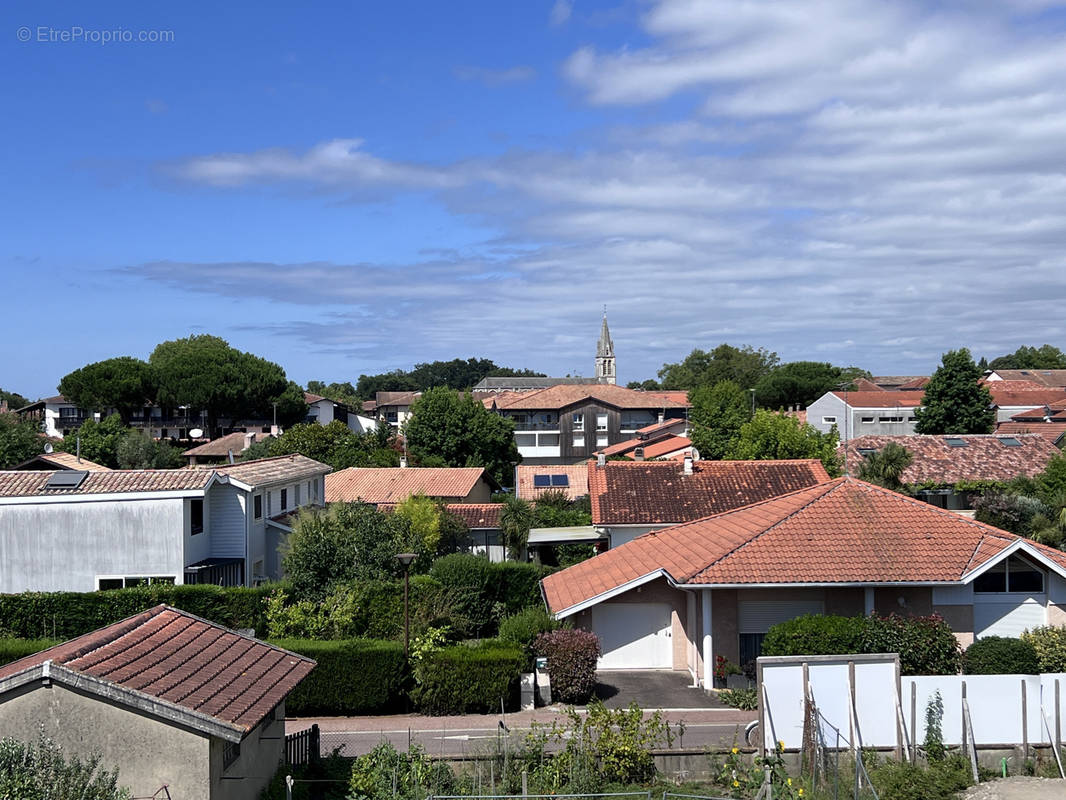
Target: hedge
13,649
1050,645
469,678
999,655
356,676
483,591
64,615
926,645
523,628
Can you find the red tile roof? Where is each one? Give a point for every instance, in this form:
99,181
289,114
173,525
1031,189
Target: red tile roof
984,458
882,399
842,531
26,483
477,515
221,446
61,460
277,469
1052,431
395,484
654,446
185,662
1013,386
556,397
667,425
1026,399
1043,377
867,385
659,493
1052,412
577,475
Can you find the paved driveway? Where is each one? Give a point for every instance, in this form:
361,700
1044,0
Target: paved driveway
651,689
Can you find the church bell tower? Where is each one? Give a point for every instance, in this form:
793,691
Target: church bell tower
605,367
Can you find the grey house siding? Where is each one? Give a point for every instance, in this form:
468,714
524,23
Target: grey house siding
228,527
53,547
849,421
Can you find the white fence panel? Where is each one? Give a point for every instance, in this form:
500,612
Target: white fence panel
996,707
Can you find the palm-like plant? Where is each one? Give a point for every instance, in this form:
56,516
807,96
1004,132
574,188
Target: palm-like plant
516,518
885,468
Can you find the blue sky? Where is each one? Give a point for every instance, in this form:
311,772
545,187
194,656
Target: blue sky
360,186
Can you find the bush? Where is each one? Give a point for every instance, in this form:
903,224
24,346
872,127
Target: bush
523,628
1050,646
357,676
744,699
999,655
483,591
940,780
64,615
468,678
572,656
815,635
926,645
41,771
14,649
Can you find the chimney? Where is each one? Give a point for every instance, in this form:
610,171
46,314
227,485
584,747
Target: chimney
403,462
662,417
229,455
249,440
638,454
601,459
687,469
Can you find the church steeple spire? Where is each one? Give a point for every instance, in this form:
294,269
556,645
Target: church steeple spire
605,366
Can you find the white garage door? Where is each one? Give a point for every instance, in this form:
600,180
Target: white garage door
1008,617
633,635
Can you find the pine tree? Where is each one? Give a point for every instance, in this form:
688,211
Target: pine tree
954,401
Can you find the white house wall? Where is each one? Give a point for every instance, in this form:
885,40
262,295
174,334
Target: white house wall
64,546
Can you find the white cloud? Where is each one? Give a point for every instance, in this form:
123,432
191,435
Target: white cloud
561,11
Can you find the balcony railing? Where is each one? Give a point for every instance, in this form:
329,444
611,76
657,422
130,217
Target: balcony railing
537,426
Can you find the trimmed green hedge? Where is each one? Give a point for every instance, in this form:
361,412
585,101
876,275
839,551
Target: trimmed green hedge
926,645
469,678
999,655
13,649
357,676
482,591
64,615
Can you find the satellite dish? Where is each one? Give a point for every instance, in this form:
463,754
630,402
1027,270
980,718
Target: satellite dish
195,433
48,447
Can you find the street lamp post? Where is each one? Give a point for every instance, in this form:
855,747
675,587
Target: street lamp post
406,559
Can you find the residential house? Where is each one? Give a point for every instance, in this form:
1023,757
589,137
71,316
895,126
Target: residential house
178,704
889,413
567,424
941,463
1047,378
1012,402
533,480
631,498
222,449
1048,420
79,530
323,411
895,383
680,597
483,521
377,485
393,408
57,460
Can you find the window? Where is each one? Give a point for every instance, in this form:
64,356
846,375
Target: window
601,422
955,442
542,481
230,753
867,420
1013,575
891,419
601,440
196,511
284,499
296,494
866,452
548,440
1009,441
912,418
270,504
120,582
750,646
579,440
257,506
829,420
577,420
525,439
560,480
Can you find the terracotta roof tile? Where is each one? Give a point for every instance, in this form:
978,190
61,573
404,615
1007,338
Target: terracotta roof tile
842,531
477,515
658,492
221,446
577,479
185,661
61,460
265,471
1052,431
984,458
395,484
556,397
1043,377
882,399
1026,399
26,483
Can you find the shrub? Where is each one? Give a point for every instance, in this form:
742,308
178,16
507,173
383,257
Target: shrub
926,645
468,678
40,771
1050,646
815,635
744,699
14,649
64,615
523,628
386,774
357,676
999,655
482,591
941,780
572,656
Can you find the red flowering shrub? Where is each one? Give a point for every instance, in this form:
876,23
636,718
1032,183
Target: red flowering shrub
572,656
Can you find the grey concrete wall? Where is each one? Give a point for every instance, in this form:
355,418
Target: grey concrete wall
64,546
262,752
147,752
849,424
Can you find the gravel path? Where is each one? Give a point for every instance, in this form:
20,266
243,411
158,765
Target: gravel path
1017,788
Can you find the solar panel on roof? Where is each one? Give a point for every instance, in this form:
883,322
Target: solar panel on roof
953,442
867,451
65,479
1009,441
560,480
542,481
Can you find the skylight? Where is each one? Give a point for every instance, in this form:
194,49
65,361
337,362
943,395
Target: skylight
1009,441
953,441
65,479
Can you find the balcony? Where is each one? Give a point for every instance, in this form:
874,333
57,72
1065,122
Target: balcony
553,427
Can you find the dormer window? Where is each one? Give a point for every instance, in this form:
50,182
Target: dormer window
1013,575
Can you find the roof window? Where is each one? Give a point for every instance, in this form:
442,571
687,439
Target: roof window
1009,441
66,479
954,441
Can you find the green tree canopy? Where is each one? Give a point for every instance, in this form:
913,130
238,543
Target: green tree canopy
716,417
20,440
137,450
98,441
14,399
885,467
770,435
743,365
204,372
338,445
802,382
459,430
456,374
954,401
1044,357
337,392
124,384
